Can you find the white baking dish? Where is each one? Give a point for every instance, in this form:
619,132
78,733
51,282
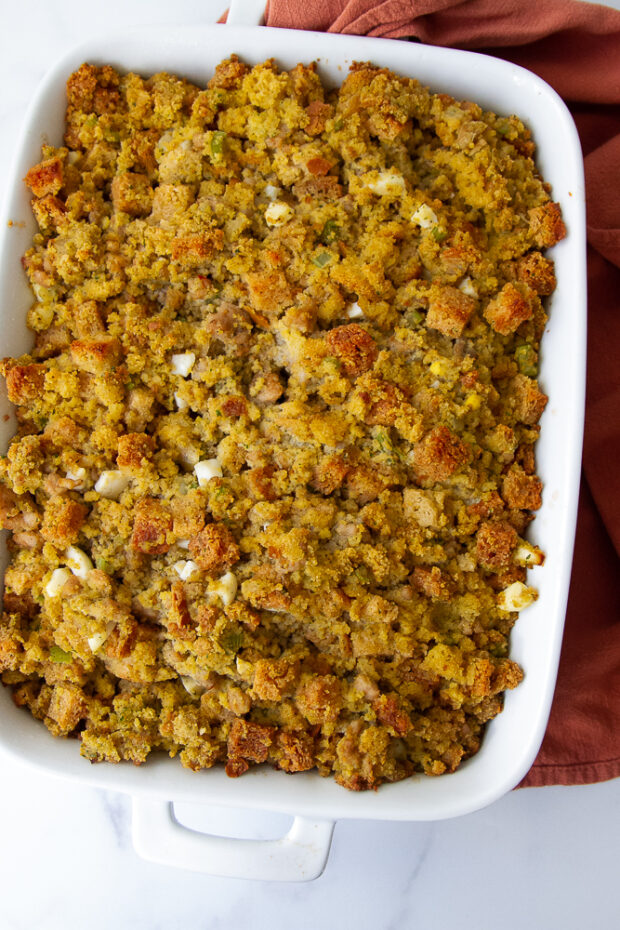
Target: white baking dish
512,739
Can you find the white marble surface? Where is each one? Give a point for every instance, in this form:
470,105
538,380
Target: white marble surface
537,858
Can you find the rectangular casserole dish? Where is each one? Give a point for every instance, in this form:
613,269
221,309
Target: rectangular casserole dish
512,739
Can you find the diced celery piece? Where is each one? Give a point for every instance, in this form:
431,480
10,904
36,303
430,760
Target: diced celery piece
321,259
217,142
59,655
330,232
526,358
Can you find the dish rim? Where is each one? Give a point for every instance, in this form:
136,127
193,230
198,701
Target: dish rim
307,793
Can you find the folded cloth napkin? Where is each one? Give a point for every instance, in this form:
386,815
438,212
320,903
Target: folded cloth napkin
575,47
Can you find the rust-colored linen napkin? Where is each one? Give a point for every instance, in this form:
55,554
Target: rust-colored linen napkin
575,46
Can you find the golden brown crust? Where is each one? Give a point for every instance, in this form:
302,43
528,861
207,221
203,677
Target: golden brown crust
353,347
62,520
151,526
298,753
495,542
449,311
320,698
96,355
537,271
546,225
439,455
249,741
521,491
196,248
214,548
430,582
134,451
509,309
330,473
81,87
270,291
229,73
132,193
318,114
273,678
46,177
49,211
24,383
529,401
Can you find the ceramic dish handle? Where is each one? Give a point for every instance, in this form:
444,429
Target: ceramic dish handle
246,13
299,856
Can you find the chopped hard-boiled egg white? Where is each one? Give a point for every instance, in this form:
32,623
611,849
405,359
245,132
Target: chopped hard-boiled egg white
272,192
180,402
78,562
388,184
111,484
528,555
192,687
190,456
185,568
225,588
277,213
183,363
245,669
207,469
76,474
516,596
58,580
354,311
97,640
424,216
466,562
467,287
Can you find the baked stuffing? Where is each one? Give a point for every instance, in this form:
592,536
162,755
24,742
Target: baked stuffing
274,462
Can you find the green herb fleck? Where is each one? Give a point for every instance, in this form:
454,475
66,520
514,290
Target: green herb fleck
333,363
385,446
526,358
330,232
214,296
104,566
321,259
438,234
59,655
91,121
413,317
232,641
338,125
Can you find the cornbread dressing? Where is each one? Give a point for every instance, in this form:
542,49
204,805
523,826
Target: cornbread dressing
274,461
